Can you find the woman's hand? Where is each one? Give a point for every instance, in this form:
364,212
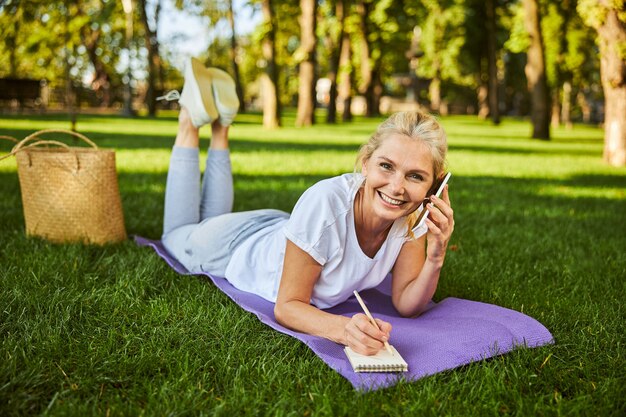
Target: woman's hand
363,337
440,224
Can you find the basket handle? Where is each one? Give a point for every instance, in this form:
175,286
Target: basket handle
35,135
10,138
49,142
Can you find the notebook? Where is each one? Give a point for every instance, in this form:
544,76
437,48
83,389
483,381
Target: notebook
383,361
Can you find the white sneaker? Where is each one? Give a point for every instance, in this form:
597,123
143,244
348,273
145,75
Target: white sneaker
225,95
197,94
208,93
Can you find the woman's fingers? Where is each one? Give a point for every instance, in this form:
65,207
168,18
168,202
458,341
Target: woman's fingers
442,213
440,225
443,206
445,196
363,337
384,327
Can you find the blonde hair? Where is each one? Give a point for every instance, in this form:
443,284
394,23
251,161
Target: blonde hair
415,125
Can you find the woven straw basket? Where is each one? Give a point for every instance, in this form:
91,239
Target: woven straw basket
69,194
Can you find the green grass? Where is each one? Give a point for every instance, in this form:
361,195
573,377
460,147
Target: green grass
540,228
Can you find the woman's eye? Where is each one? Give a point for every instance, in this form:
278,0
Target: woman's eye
385,165
416,177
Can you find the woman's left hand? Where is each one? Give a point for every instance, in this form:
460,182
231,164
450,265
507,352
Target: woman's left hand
440,224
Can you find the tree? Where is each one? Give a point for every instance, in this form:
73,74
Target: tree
555,25
334,44
368,72
307,63
536,72
129,10
608,18
581,70
381,36
269,79
233,51
492,90
154,58
91,35
344,89
443,39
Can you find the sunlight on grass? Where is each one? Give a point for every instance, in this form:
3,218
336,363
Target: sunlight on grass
613,193
538,228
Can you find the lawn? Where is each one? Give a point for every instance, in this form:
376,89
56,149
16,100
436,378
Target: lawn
540,228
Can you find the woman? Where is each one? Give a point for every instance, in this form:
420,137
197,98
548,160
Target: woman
345,233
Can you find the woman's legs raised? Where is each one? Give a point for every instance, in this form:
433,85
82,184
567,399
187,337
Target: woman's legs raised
182,190
184,204
217,186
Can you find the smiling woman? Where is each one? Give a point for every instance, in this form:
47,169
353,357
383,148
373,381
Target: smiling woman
345,233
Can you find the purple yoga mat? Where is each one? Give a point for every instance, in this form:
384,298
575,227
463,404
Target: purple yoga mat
449,334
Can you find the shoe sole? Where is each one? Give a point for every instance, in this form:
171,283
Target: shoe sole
225,95
204,81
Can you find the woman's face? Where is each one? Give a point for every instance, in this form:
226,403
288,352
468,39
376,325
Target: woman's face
398,175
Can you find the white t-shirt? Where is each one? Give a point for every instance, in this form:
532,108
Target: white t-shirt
321,224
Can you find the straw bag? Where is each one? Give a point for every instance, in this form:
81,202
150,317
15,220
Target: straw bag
69,194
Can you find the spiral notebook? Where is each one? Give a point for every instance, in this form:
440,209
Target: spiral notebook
383,361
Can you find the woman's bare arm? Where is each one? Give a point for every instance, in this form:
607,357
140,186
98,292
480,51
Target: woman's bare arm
416,271
293,308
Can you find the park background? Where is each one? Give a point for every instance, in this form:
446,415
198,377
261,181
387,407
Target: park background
531,93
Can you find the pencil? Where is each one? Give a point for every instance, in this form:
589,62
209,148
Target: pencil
369,316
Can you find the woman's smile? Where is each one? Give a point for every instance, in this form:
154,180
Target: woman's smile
397,177
390,201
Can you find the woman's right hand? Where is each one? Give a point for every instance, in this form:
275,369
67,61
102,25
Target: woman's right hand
363,337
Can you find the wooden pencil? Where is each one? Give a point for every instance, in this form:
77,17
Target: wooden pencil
369,316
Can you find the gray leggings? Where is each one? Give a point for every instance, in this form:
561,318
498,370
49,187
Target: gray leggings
199,228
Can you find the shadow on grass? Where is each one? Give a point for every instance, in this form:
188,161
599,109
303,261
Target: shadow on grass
501,200
509,234
122,141
565,150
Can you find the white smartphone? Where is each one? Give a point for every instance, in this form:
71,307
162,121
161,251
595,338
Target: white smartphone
439,187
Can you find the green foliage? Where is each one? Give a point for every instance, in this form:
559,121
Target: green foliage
518,40
594,14
443,36
580,59
41,37
113,330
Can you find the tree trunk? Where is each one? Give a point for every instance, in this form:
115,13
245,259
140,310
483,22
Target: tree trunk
565,10
128,91
366,88
434,91
233,56
269,80
612,37
566,106
482,92
345,78
374,94
492,65
585,107
555,114
483,102
101,82
536,73
70,96
335,56
307,79
154,60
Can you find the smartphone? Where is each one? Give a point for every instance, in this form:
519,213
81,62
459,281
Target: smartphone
438,186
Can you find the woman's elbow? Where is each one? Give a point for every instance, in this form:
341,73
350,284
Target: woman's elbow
280,314
412,311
